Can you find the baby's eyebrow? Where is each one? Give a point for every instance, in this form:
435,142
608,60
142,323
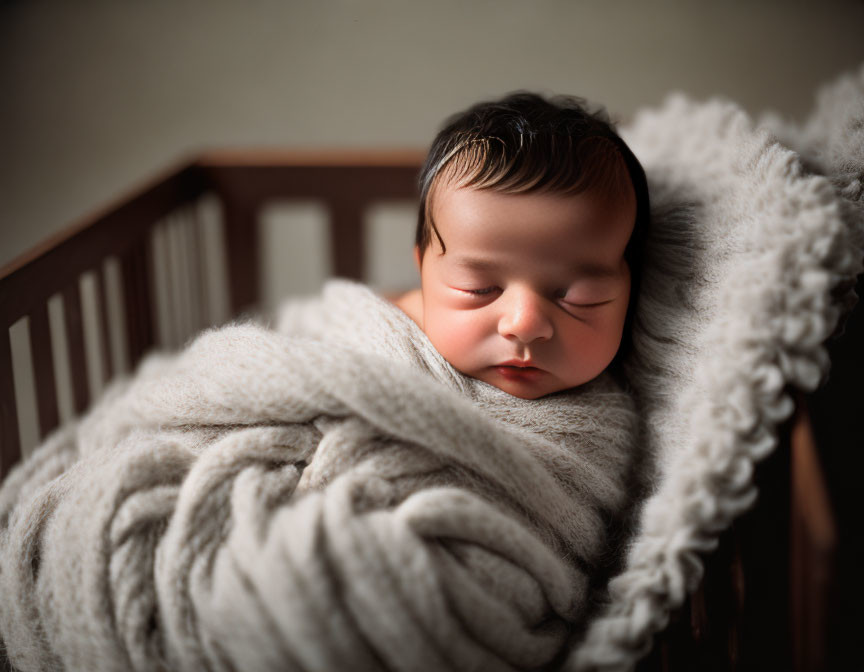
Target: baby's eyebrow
596,271
583,269
476,263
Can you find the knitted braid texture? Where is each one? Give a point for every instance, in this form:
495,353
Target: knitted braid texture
331,496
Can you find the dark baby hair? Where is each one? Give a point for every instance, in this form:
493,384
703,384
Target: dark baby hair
527,143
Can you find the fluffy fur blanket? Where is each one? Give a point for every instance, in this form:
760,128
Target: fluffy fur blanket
329,495
757,237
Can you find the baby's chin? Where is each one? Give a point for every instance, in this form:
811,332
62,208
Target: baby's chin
529,385
530,396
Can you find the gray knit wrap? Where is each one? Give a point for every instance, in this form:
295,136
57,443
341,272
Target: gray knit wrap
326,495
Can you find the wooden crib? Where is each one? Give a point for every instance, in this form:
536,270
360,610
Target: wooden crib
766,597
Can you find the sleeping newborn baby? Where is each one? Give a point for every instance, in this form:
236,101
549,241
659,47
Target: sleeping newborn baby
528,244
498,379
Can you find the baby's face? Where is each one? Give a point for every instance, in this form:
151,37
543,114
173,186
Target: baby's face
532,291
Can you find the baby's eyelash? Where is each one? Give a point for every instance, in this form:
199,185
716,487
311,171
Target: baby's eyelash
589,305
480,292
559,295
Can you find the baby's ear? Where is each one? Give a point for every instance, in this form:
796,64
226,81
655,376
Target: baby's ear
417,257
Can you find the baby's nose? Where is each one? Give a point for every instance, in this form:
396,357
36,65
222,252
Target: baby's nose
524,318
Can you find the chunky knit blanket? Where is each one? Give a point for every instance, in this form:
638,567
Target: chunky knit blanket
327,493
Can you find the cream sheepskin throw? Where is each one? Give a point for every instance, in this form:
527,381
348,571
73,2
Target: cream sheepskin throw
329,494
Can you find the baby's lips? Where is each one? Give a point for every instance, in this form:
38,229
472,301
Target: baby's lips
521,363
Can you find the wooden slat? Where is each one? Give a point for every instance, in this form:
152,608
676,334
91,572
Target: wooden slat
737,595
138,301
681,646
759,568
10,440
241,240
810,493
699,624
102,317
664,663
177,296
160,284
719,637
347,239
75,346
130,292
195,251
147,289
203,274
184,284
814,543
43,370
799,618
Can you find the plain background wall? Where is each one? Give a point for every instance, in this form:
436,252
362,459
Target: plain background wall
96,96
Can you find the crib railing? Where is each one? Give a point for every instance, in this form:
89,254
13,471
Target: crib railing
27,284
767,588
345,182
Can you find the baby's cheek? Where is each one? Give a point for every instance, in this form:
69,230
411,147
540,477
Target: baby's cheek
601,352
591,350
456,335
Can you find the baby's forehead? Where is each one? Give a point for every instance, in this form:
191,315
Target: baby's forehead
471,202
532,225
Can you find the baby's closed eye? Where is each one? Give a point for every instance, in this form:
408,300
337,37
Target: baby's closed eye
483,291
569,296
583,299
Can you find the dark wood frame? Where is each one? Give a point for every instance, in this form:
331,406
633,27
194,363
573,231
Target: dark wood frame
776,560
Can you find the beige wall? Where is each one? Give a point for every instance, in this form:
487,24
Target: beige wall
97,95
